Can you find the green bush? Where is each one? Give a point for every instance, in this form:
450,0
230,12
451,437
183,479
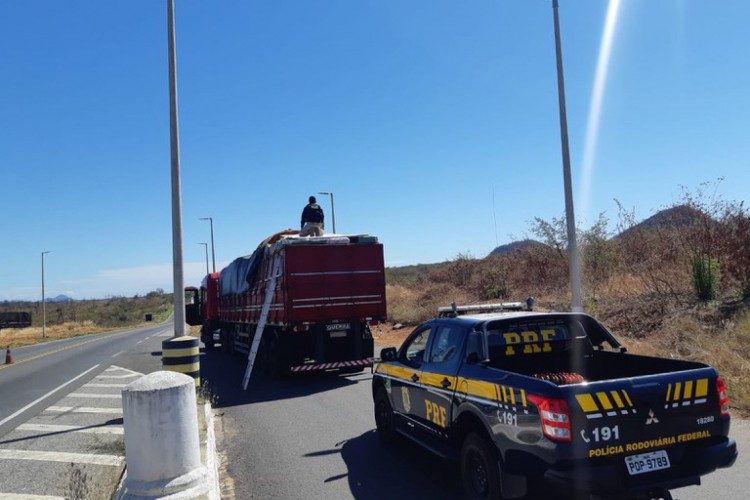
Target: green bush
705,273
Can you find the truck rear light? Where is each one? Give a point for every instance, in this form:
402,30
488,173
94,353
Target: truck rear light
723,398
555,417
373,322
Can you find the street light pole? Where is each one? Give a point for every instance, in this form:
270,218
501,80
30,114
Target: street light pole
174,141
333,212
44,306
575,275
206,245
213,253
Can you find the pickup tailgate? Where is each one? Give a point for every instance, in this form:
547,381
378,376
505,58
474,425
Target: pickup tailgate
645,416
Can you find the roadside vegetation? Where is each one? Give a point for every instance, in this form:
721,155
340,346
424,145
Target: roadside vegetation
83,317
676,284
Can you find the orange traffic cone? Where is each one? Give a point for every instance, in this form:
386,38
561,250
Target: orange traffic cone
8,357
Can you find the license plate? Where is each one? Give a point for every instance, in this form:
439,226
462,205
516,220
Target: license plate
647,462
338,327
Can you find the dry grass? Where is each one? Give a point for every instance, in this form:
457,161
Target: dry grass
33,335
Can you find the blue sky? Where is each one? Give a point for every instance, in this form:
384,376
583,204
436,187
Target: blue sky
414,113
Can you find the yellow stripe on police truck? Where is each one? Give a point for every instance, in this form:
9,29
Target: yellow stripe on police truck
686,393
601,404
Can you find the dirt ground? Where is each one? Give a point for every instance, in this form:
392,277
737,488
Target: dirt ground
387,335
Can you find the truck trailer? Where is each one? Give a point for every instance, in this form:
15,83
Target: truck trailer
321,295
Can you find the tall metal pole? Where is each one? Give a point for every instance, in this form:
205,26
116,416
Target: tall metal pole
206,245
333,212
174,141
213,253
575,275
44,304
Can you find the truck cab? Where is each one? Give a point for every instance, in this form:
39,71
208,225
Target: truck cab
202,308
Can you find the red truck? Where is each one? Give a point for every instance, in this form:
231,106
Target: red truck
326,293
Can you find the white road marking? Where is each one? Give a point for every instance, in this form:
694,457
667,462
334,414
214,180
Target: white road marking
55,456
6,419
83,409
106,385
120,376
102,396
118,353
105,429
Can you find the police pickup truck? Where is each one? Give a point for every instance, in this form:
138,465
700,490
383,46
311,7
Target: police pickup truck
551,404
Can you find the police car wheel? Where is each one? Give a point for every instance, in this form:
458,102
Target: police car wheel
384,418
479,470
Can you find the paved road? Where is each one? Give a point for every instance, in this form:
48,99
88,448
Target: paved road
61,417
314,438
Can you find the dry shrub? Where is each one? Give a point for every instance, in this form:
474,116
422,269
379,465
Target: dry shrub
538,269
414,305
702,334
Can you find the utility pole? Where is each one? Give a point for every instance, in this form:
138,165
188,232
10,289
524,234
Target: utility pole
213,253
174,142
333,212
575,274
44,304
206,245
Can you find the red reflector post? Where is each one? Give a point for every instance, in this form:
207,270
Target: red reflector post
555,417
723,398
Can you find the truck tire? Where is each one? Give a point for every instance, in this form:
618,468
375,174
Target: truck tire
480,472
277,367
225,339
385,420
261,359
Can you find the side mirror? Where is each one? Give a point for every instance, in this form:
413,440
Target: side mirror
388,354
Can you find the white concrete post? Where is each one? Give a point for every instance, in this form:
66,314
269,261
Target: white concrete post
162,448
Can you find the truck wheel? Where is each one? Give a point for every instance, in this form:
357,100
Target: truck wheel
225,340
479,469
385,422
276,366
261,358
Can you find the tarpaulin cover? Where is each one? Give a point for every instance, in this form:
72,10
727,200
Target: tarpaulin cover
233,278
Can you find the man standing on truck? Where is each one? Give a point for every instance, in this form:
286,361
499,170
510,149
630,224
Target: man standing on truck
312,219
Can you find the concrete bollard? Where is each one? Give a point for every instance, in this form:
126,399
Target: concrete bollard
182,355
162,448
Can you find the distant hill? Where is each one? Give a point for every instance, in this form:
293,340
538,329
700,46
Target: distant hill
60,298
675,217
515,246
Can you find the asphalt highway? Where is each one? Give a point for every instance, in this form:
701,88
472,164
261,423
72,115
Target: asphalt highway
309,436
46,371
314,437
61,425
